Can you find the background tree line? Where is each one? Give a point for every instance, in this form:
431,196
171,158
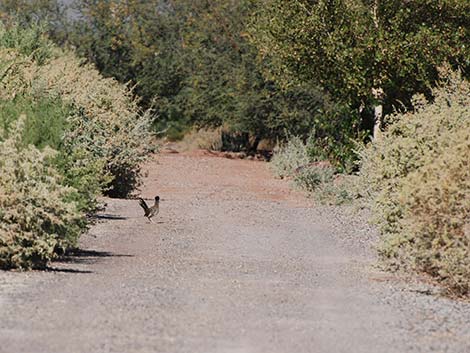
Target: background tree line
270,69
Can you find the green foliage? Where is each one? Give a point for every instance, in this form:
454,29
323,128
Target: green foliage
103,119
46,123
84,173
417,175
334,137
46,120
312,176
351,48
36,218
194,65
289,157
100,135
29,41
106,123
51,15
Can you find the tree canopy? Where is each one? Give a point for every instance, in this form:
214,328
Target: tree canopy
353,47
266,68
194,64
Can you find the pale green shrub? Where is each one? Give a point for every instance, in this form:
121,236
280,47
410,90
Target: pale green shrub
105,119
299,160
30,42
287,158
437,212
343,189
95,123
37,219
311,176
84,173
45,125
417,178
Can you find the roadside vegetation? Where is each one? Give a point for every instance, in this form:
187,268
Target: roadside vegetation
417,177
366,100
67,136
403,67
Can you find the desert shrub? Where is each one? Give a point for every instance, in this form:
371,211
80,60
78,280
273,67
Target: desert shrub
106,121
318,178
98,138
313,175
46,119
417,177
84,173
37,219
288,157
46,123
343,189
436,214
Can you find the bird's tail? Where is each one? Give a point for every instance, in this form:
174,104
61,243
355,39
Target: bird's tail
143,204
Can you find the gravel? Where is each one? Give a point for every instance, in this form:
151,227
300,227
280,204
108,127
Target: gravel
235,262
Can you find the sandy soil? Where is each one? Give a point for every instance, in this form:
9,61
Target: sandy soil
235,262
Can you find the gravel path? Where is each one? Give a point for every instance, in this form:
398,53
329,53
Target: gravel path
235,262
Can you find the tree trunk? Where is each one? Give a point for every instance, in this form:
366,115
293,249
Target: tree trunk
377,91
378,94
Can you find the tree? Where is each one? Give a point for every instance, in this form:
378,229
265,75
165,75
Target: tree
367,53
194,64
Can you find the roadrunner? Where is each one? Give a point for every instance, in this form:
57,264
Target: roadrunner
150,211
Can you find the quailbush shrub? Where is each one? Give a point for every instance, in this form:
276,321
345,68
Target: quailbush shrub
436,215
104,121
37,218
46,122
68,135
319,178
417,176
290,156
313,175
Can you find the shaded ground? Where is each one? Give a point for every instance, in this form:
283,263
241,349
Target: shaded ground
235,262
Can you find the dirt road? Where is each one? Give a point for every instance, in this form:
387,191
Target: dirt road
235,262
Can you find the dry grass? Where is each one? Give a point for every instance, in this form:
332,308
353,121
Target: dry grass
208,139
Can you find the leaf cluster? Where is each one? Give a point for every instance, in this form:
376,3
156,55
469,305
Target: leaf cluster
350,48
